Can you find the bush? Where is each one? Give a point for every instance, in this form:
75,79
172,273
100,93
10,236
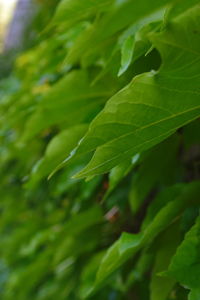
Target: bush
106,106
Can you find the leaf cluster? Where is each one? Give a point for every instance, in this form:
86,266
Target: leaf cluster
100,155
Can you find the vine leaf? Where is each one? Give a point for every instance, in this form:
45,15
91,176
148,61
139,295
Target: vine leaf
154,105
129,244
185,264
56,151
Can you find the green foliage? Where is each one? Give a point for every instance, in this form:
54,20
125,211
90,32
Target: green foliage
108,93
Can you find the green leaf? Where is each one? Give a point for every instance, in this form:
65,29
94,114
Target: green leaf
160,201
88,275
128,244
71,11
185,265
118,173
143,265
69,101
58,148
178,7
165,249
77,235
134,40
194,295
144,112
153,169
56,235
84,220
127,53
123,13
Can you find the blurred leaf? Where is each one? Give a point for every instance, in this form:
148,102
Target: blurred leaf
184,266
69,100
153,169
129,244
59,147
118,173
123,14
167,244
71,11
194,295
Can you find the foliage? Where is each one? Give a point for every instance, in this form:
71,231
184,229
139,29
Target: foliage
108,93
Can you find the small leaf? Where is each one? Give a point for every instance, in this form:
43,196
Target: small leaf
134,39
127,53
119,172
58,148
124,13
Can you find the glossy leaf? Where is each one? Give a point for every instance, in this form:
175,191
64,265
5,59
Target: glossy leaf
143,113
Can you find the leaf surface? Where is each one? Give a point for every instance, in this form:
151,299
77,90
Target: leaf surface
185,265
60,146
124,13
160,286
70,100
71,11
129,244
154,104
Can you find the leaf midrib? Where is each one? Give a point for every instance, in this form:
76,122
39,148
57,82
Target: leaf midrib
138,145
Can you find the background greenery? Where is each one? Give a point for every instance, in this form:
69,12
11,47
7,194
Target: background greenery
108,91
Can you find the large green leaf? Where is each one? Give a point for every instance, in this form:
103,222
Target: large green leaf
154,104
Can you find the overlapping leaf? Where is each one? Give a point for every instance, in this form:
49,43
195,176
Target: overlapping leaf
154,104
128,244
185,266
71,99
54,235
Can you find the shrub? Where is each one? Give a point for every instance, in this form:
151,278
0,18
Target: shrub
106,106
